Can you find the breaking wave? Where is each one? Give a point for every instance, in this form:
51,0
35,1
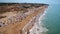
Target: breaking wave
39,27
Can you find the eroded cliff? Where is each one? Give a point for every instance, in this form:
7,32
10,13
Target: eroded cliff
19,18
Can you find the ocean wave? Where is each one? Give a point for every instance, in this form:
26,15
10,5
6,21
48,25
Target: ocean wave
39,27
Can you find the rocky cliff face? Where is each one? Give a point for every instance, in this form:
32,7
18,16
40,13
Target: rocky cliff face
38,27
35,26
21,18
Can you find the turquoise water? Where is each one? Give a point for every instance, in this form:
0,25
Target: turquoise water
52,19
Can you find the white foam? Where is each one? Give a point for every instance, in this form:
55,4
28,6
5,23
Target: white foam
38,27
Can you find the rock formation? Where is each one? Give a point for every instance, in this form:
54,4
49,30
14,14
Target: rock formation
19,18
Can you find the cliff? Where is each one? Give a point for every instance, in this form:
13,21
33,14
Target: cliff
19,18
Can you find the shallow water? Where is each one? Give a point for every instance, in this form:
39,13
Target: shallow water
52,19
39,26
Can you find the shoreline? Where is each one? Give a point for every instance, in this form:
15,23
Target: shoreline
14,28
39,26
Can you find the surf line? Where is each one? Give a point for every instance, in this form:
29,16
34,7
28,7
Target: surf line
38,27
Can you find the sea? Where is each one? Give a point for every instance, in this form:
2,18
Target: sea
51,19
49,22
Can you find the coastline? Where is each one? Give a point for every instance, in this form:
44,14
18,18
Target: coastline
16,27
39,28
